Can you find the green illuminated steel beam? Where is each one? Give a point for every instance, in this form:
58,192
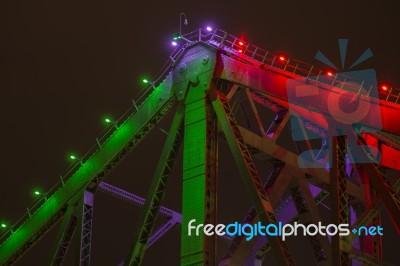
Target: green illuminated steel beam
199,179
157,188
96,167
249,174
64,237
194,73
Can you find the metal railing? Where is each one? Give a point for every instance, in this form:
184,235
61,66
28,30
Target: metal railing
245,51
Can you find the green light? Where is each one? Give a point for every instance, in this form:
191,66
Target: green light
72,157
107,120
3,225
37,193
176,36
145,81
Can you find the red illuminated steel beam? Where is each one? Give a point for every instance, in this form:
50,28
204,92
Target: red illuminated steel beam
384,189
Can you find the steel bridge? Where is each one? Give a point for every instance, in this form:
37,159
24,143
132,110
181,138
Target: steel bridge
212,79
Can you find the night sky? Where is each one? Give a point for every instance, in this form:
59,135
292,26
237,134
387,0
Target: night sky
66,64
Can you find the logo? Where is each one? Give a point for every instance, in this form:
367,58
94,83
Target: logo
283,230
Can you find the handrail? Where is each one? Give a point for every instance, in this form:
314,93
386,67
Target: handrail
257,56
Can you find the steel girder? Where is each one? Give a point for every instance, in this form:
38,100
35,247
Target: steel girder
360,194
248,77
370,213
306,205
317,176
255,113
384,189
134,199
339,200
113,150
240,249
388,194
199,180
267,144
64,237
192,78
157,234
85,223
251,217
307,208
377,240
238,138
78,217
249,173
157,188
173,217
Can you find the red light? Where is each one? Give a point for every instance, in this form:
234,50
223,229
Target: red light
329,73
384,86
282,58
240,51
241,43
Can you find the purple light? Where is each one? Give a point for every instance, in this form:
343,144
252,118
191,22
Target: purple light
209,28
174,43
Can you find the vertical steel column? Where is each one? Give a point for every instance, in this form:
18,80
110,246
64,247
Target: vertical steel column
157,188
86,228
340,204
249,173
211,181
199,179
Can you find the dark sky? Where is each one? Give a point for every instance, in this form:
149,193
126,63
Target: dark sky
65,64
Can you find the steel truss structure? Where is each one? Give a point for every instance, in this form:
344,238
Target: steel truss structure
220,91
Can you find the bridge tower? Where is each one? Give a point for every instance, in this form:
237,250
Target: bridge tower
220,88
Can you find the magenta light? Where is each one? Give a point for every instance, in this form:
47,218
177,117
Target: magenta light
209,29
174,43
